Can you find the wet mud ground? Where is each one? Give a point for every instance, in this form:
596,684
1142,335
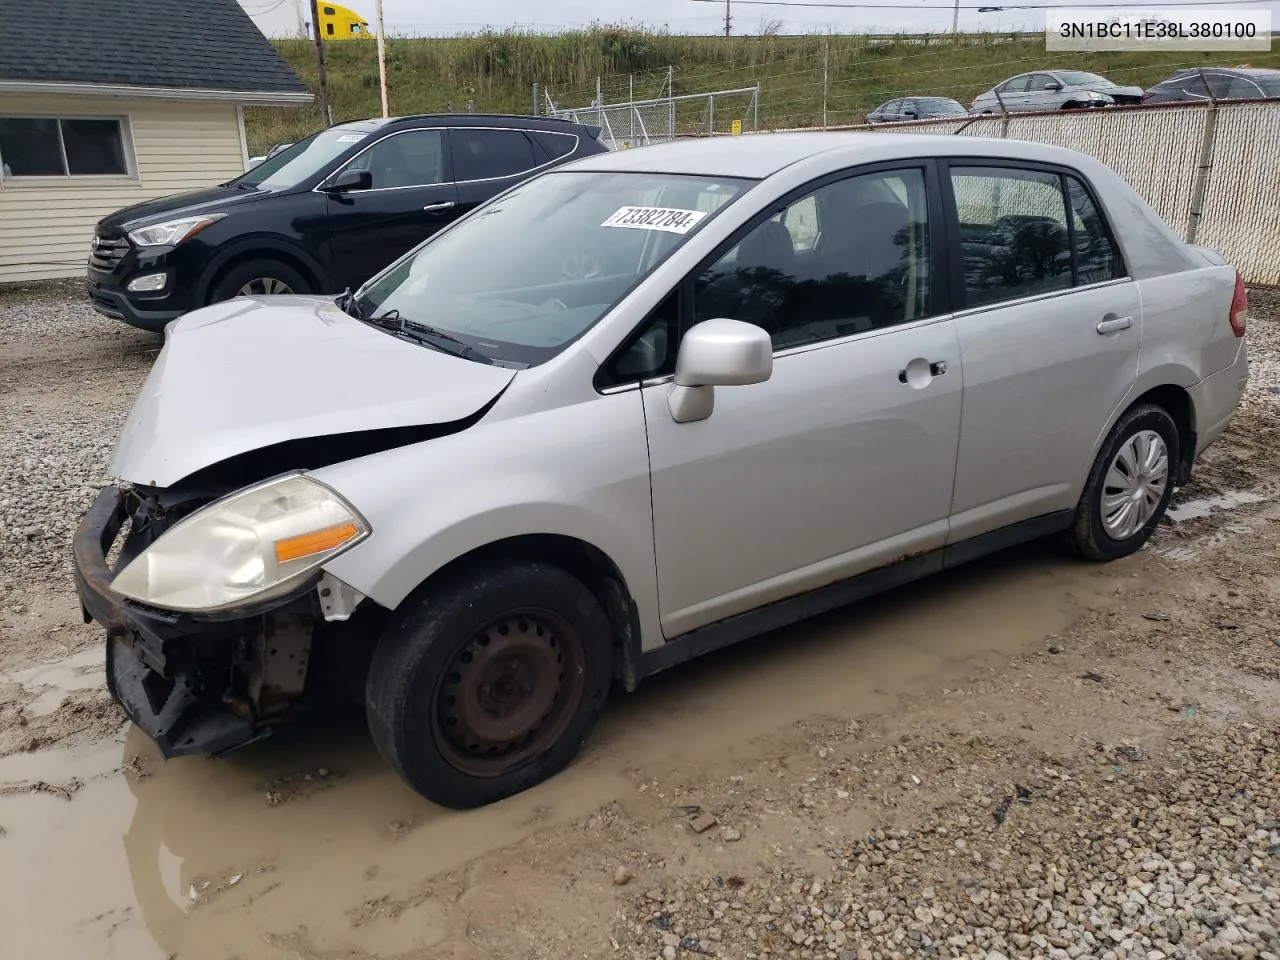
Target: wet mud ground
918,714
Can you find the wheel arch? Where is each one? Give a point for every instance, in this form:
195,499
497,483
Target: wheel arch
260,248
583,560
1177,401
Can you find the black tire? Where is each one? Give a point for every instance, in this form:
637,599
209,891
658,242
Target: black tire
1089,533
445,653
253,273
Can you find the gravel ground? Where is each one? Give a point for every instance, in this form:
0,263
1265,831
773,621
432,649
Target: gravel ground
1109,790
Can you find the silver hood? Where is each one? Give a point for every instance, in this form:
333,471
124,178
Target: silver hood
248,373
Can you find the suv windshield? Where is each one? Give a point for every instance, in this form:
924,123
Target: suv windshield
530,272
304,159
1073,77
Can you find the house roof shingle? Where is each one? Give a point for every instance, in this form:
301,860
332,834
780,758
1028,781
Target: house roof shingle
184,44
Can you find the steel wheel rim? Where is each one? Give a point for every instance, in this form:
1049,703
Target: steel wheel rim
264,286
1135,484
509,692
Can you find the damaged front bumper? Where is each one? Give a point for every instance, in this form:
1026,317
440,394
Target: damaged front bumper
194,685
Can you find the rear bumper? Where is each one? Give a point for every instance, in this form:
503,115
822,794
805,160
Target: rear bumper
1216,398
166,691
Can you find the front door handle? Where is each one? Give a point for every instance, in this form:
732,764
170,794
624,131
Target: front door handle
914,373
435,207
1111,323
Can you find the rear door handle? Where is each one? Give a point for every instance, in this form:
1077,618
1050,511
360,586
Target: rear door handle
433,207
1111,323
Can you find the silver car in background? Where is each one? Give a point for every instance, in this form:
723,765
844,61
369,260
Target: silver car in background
634,410
1053,90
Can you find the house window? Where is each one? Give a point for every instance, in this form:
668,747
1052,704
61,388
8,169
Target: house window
48,147
328,28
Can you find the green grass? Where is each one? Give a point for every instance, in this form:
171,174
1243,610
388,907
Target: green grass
498,70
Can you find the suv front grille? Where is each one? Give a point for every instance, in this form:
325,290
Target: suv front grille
107,252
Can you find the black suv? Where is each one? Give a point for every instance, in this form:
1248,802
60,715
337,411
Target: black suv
321,216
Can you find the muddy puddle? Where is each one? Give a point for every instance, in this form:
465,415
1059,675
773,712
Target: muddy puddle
108,852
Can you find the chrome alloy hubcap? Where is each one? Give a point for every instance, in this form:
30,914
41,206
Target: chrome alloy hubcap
1135,484
264,285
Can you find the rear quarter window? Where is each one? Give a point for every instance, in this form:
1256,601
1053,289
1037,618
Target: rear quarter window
555,145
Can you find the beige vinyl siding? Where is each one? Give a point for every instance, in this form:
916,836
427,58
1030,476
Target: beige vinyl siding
46,224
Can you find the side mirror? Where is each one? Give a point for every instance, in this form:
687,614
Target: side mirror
350,180
909,113
1053,86
717,353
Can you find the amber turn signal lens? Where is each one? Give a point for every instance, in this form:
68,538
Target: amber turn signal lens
318,541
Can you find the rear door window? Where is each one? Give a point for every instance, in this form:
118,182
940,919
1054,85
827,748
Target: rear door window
1242,88
1028,232
487,154
1014,239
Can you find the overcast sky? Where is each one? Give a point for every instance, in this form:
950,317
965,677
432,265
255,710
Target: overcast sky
691,16
439,17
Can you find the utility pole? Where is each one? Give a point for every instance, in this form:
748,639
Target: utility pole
728,18
382,60
326,114
955,18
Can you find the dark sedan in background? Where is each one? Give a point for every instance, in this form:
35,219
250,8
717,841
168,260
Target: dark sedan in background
916,108
1198,84
320,216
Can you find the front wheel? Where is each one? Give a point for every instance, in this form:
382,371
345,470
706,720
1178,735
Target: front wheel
1129,486
263,277
489,682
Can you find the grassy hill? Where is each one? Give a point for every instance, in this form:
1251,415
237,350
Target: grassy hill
498,70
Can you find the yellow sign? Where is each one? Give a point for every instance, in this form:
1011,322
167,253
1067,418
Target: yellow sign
736,128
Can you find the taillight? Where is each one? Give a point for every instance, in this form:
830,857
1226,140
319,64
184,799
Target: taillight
1239,307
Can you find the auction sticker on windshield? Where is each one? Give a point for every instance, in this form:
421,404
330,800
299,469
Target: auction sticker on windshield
670,219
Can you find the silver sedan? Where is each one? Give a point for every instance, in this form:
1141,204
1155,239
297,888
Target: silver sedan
784,372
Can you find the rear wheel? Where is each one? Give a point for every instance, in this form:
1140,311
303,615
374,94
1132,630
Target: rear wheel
259,277
1129,486
488,683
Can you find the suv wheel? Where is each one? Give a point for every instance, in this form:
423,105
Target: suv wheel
489,682
256,278
1129,487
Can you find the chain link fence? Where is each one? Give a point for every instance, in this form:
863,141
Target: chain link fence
637,123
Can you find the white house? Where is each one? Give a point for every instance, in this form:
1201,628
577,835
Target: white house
103,105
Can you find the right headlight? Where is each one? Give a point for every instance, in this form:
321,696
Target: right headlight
172,232
255,545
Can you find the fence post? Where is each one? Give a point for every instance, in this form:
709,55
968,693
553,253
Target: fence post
535,98
711,113
671,102
826,52
755,109
1202,172
631,101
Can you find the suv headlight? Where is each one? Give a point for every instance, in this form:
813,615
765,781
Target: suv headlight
172,232
255,545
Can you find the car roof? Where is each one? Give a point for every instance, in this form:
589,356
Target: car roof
1183,72
507,119
760,155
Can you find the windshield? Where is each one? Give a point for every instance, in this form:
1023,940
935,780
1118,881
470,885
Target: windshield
303,160
941,105
1075,77
523,277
